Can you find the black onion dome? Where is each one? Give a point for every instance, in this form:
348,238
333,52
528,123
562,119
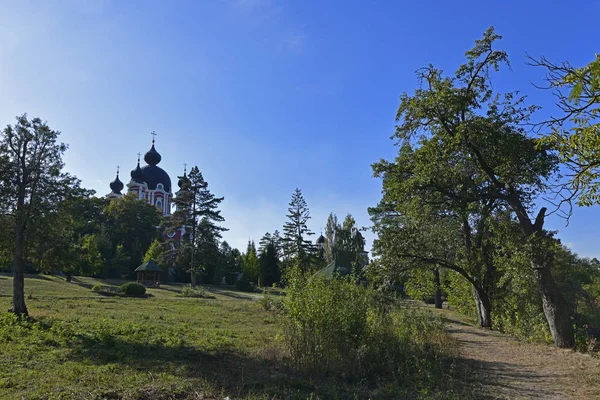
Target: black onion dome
321,240
137,175
154,175
152,157
182,179
116,186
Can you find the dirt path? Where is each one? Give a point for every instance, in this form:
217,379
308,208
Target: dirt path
508,369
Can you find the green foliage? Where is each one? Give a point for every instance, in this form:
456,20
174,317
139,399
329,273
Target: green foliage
420,285
576,133
154,252
268,302
269,264
133,289
131,223
338,327
344,243
251,263
460,295
93,263
198,291
97,288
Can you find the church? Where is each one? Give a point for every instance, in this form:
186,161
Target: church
150,183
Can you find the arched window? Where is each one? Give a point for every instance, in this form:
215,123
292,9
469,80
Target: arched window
159,204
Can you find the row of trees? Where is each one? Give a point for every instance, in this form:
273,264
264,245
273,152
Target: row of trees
460,197
278,255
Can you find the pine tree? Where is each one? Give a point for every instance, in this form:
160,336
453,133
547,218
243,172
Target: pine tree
196,205
295,231
264,241
269,264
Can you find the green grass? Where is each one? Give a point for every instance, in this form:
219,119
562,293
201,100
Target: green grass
83,345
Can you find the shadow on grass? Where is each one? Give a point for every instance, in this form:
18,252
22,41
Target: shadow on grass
266,374
234,295
505,380
232,373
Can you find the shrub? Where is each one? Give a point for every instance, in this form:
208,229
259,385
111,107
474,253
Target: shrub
271,303
198,291
133,289
338,327
97,288
245,285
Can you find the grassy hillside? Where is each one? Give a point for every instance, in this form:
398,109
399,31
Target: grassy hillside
86,345
83,345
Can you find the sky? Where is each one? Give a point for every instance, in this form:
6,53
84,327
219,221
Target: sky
264,96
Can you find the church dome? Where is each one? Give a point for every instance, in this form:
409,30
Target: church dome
116,186
321,240
137,175
152,157
154,175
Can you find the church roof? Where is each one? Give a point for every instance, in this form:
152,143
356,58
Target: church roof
149,266
136,174
153,175
116,186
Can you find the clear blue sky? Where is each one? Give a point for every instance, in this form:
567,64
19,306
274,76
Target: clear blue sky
263,95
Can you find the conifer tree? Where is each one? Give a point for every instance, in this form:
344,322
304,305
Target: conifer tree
195,205
295,231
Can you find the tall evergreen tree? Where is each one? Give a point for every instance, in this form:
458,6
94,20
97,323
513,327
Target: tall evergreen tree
295,231
32,183
195,205
331,237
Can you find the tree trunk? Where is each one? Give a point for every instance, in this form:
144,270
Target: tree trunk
556,311
484,307
193,278
438,289
19,306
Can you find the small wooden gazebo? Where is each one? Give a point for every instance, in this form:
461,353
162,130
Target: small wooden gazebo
148,274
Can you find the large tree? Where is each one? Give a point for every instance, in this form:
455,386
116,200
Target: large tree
484,130
32,183
295,240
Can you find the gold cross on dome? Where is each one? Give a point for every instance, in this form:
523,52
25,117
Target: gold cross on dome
153,136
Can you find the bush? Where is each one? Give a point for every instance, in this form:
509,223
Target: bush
340,328
97,288
245,285
198,291
271,303
133,289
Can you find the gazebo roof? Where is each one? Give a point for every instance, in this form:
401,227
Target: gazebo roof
333,270
149,266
